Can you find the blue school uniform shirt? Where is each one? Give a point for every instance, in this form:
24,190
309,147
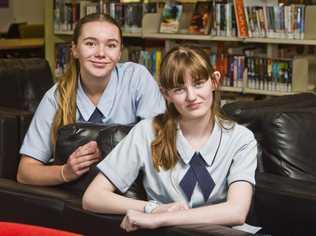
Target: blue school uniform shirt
231,155
131,94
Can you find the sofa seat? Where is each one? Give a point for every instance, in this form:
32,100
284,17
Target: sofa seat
33,204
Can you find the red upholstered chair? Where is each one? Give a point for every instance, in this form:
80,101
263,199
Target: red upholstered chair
14,229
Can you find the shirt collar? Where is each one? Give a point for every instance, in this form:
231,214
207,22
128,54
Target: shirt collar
86,107
208,150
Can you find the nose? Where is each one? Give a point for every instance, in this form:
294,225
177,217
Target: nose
191,95
100,51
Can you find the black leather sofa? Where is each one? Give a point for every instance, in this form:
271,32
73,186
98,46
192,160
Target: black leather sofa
285,128
22,84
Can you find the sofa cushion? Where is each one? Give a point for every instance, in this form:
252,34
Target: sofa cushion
23,82
71,136
245,112
13,125
288,143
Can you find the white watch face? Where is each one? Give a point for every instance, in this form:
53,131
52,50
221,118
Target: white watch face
150,206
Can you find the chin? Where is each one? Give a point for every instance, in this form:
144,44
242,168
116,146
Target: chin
99,74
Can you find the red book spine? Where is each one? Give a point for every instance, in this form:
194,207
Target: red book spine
241,18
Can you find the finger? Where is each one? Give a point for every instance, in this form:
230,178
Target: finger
85,164
91,157
131,226
88,148
82,171
123,223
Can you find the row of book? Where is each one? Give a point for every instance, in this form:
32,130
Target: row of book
270,20
255,18
254,72
128,14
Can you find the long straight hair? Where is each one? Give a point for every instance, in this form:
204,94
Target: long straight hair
66,92
175,64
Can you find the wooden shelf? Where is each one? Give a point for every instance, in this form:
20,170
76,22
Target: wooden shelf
266,92
231,89
280,41
21,43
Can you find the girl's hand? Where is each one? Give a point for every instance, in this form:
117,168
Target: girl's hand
135,220
171,207
80,160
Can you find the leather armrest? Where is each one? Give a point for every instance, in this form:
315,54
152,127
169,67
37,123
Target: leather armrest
285,206
13,126
56,193
280,185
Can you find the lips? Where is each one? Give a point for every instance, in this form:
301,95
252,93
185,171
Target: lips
194,105
99,64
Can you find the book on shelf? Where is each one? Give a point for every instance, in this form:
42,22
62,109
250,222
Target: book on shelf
170,17
224,23
116,11
149,7
201,18
133,15
62,58
242,27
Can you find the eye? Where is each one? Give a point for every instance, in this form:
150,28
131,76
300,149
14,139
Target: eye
178,90
90,43
199,83
112,45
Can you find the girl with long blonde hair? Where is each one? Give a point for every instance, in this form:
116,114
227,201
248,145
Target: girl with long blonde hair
96,88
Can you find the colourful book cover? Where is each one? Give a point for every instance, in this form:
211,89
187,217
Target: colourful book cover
201,18
170,18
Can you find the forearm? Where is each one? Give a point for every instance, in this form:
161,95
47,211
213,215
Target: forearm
100,197
223,214
232,212
41,175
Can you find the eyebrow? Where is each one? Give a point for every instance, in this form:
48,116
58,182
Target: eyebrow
95,39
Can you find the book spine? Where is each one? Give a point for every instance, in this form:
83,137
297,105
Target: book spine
240,19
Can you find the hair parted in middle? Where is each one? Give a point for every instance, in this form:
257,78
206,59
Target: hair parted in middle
175,64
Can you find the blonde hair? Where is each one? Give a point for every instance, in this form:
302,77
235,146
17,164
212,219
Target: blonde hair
175,64
66,92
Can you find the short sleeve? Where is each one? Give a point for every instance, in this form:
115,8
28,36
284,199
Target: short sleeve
244,161
149,101
37,142
124,162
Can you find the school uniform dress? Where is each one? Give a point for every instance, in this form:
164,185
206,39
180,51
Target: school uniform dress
131,94
229,154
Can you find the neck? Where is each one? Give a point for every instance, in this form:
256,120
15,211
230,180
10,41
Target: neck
94,87
197,131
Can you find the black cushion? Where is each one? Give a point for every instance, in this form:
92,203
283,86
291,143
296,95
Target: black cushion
288,143
70,137
9,144
24,82
248,112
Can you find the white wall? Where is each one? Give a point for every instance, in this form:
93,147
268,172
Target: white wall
30,11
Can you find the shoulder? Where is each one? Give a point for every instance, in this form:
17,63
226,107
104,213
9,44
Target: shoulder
237,132
144,129
132,71
130,66
50,95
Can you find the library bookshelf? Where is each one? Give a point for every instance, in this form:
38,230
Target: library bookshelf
303,68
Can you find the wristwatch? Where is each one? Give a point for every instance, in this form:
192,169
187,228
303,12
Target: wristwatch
150,206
